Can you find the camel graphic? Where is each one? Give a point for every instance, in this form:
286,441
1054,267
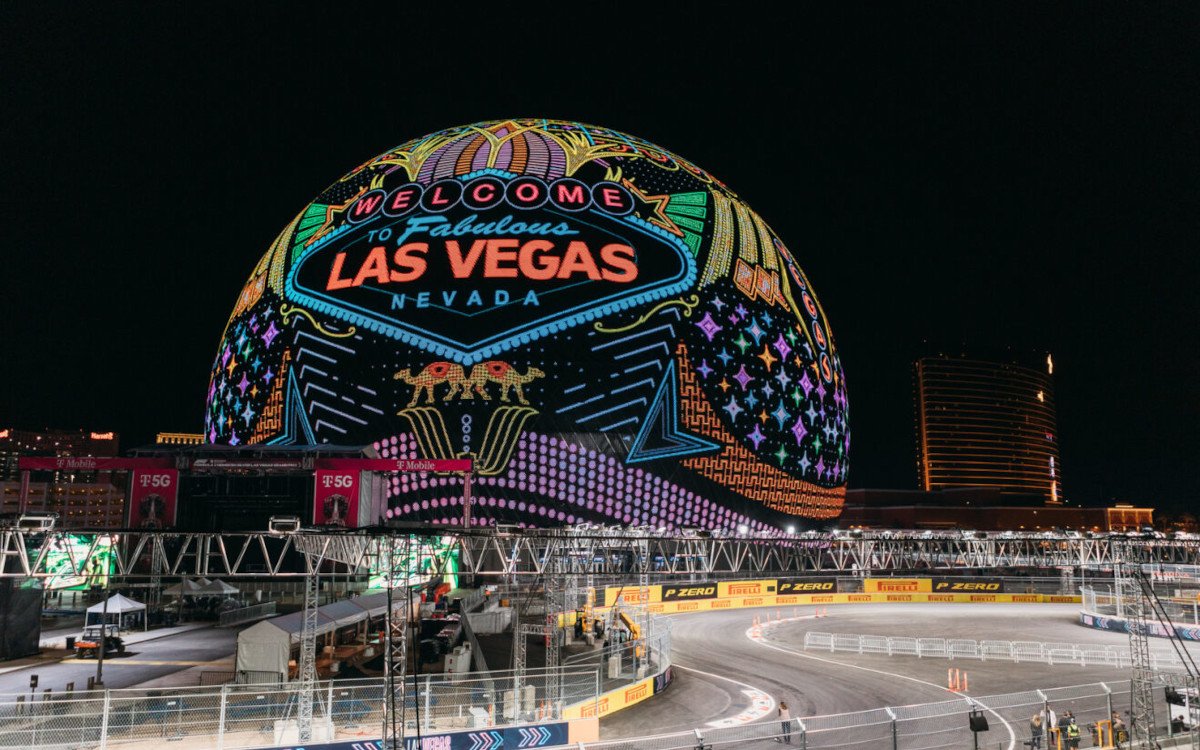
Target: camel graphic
467,387
432,375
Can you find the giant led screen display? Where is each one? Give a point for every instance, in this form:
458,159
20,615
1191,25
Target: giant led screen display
605,327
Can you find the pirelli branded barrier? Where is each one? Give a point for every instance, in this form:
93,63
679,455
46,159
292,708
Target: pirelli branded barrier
704,597
622,697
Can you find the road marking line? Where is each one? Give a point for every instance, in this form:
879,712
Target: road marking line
761,702
1012,735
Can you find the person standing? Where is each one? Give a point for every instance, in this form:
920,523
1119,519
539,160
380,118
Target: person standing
1036,730
785,718
1072,732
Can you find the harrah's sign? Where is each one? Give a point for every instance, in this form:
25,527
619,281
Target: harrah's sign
469,268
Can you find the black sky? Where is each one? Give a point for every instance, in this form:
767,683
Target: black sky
994,174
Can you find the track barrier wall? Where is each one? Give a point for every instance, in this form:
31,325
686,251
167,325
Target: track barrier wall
928,726
666,599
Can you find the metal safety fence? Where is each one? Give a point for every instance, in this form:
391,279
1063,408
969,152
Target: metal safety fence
249,716
934,726
960,648
1179,599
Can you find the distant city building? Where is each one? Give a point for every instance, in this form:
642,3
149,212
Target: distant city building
179,438
15,443
987,424
80,498
982,510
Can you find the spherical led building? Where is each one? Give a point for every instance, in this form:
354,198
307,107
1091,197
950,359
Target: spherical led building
604,327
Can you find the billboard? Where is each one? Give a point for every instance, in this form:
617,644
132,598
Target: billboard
603,327
335,497
153,496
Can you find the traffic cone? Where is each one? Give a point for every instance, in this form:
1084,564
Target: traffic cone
952,680
964,682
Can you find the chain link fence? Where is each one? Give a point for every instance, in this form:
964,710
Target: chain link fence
245,716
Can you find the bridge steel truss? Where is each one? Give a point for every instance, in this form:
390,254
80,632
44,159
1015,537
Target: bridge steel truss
510,555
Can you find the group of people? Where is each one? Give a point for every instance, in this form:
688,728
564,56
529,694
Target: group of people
1045,722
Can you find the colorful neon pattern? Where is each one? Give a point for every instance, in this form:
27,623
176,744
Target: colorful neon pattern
606,328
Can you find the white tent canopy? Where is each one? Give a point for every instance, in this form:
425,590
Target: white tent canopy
217,588
183,588
267,646
119,608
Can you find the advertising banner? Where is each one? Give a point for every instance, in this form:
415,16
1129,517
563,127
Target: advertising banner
808,587
968,585
746,588
631,595
678,592
153,496
89,463
437,465
335,497
507,738
897,585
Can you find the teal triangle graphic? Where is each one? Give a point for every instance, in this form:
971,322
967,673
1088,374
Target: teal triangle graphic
661,435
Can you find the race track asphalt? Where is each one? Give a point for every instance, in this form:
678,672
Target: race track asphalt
716,662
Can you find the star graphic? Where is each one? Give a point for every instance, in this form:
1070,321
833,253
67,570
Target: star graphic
725,356
756,437
781,454
755,331
225,355
232,364
804,463
659,215
767,358
704,369
796,396
791,336
743,312
812,414
767,319
817,444
724,385
768,390
742,342
820,466
763,416
241,340
821,389
733,408
743,377
751,400
233,439
243,384
781,346
708,326
270,334
799,431
806,384
718,302
247,413
269,376
254,390
780,414
783,378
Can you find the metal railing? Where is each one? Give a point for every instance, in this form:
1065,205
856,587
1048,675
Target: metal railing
959,648
243,615
1181,600
927,726
246,715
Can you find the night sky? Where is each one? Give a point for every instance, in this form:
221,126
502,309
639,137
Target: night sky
979,174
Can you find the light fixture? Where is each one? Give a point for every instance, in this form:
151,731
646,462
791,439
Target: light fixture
283,524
